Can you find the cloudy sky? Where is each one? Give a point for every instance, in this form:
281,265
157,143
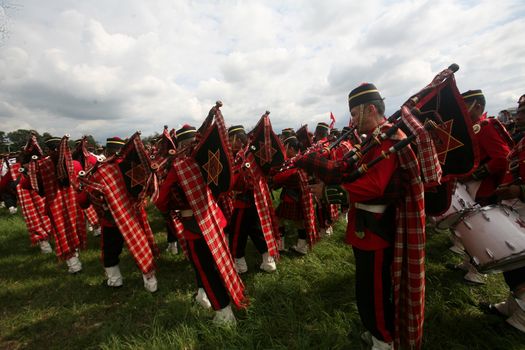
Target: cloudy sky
113,67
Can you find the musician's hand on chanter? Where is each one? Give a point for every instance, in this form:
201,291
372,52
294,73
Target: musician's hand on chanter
508,192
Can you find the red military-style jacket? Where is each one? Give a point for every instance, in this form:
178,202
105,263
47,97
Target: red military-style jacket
493,152
379,186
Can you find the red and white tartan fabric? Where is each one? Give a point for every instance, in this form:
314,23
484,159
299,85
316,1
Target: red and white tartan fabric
32,172
426,150
92,216
33,210
211,222
264,205
225,202
289,210
178,228
129,215
408,268
308,207
65,170
66,215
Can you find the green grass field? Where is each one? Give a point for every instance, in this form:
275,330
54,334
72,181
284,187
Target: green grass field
307,304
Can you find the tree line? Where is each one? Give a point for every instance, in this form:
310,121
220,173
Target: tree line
14,141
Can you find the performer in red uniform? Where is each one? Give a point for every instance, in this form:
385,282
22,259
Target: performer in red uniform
327,214
514,307
296,202
253,213
122,220
58,173
87,160
386,228
32,204
198,223
7,187
494,147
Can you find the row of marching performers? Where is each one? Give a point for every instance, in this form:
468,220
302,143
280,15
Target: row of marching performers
487,211
59,190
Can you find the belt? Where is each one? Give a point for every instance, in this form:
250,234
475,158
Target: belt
372,208
186,213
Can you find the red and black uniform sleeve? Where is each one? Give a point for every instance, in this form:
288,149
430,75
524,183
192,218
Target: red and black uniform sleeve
287,178
171,196
493,155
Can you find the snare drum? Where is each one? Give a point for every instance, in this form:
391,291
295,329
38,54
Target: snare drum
494,237
461,200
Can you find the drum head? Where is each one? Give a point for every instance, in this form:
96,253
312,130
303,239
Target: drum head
450,220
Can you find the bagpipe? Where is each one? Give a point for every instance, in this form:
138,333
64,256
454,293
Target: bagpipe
83,155
263,148
323,148
436,115
28,158
210,150
165,151
213,152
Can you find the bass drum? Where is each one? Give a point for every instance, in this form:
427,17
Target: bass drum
494,237
516,205
460,202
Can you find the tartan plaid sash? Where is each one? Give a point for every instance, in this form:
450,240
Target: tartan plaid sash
65,170
264,205
33,174
426,151
130,216
33,210
92,216
63,210
408,268
308,207
211,222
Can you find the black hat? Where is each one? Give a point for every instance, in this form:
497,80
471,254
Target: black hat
52,142
115,142
292,142
186,132
236,130
290,139
521,104
287,132
362,94
473,95
322,125
322,129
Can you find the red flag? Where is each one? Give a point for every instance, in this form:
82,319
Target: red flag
332,118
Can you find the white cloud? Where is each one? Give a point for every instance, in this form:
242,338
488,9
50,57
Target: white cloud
105,69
